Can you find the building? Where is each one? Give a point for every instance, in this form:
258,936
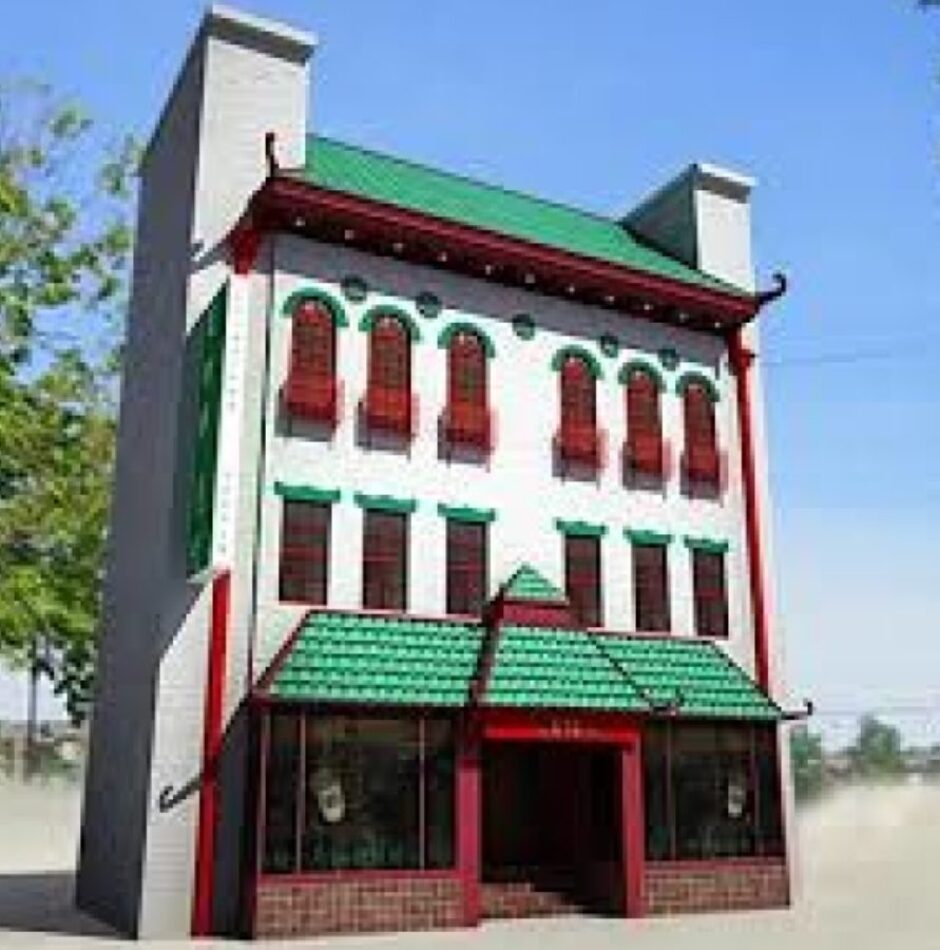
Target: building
438,585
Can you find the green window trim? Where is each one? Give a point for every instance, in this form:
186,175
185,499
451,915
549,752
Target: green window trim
467,514
461,326
402,506
706,544
632,367
686,379
390,310
580,529
325,496
581,353
334,307
643,536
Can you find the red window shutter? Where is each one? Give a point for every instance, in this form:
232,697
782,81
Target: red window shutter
311,385
710,593
583,578
467,417
578,394
305,552
385,561
701,446
388,398
651,587
644,425
466,567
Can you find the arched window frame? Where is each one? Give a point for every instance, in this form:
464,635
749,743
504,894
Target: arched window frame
579,438
467,417
644,448
701,456
390,404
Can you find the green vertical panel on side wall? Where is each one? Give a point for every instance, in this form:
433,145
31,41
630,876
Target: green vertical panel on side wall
207,340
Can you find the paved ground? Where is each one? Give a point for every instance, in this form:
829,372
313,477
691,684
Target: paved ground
871,860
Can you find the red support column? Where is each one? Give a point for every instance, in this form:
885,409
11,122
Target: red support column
469,822
633,829
204,884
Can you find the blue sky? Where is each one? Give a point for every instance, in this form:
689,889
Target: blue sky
832,106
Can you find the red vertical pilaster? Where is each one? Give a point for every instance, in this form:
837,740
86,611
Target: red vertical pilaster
633,826
211,747
469,819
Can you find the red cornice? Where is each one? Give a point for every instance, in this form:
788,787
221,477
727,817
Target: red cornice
296,206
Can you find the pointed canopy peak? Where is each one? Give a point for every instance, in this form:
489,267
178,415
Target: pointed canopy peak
528,584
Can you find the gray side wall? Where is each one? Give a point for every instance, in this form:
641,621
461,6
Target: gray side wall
139,570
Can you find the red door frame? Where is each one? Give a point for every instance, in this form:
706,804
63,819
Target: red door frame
506,725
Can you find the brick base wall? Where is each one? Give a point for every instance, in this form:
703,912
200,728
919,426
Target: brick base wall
508,899
684,888
308,908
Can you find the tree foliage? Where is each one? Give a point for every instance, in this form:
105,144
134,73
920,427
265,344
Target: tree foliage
808,762
64,247
877,751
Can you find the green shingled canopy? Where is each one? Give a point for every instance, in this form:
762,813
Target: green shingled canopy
528,584
401,661
366,174
388,661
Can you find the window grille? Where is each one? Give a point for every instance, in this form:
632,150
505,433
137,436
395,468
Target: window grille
389,405
305,551
466,567
385,561
644,453
651,587
702,462
579,439
583,578
710,593
312,389
467,415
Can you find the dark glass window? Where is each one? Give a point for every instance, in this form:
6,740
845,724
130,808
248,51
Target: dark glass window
709,591
583,578
711,791
466,567
372,793
651,587
281,737
305,551
385,561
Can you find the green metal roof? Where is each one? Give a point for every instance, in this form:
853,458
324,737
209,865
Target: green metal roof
351,658
572,669
401,661
528,584
366,174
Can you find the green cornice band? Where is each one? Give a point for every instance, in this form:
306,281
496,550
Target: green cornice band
325,496
580,353
448,333
641,536
580,529
686,379
706,544
390,310
401,506
467,514
298,297
632,367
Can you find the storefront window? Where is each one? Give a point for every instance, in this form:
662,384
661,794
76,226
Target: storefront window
280,814
374,793
711,791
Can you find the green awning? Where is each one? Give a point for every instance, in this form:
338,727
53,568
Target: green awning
401,661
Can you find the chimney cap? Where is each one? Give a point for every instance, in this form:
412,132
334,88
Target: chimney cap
222,18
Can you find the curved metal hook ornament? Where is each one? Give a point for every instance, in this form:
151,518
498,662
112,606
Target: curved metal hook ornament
781,283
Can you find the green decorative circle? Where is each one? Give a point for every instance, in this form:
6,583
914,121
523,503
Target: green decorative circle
428,305
523,326
355,288
609,344
669,357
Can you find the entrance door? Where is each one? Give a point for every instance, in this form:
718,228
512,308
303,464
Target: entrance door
551,821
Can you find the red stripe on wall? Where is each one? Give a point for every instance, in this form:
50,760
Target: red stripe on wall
741,360
204,884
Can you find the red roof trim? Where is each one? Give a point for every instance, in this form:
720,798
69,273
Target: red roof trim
284,203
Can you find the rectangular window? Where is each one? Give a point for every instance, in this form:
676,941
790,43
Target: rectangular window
369,793
651,587
466,567
583,578
385,561
280,736
711,792
305,551
709,591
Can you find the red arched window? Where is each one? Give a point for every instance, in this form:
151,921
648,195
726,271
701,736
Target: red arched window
467,417
311,388
644,424
388,398
701,444
579,437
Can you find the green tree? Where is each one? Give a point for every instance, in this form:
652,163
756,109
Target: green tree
64,247
876,752
808,760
